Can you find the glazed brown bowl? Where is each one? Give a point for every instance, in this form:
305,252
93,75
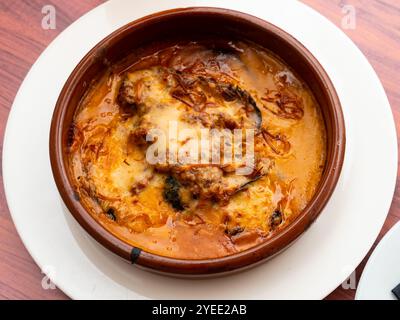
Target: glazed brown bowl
193,24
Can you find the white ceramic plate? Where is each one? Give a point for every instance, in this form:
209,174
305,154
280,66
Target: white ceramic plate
382,271
310,269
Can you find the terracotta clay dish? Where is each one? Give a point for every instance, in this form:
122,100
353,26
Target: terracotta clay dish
197,141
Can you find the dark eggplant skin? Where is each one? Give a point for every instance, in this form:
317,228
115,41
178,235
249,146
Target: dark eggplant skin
232,92
275,219
245,185
110,213
234,231
171,193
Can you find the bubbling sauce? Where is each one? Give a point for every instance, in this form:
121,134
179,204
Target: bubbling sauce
186,210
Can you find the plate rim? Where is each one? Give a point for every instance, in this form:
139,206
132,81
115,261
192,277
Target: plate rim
371,260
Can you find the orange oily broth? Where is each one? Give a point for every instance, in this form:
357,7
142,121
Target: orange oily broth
105,165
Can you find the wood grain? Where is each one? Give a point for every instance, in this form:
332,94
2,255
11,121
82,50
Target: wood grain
22,39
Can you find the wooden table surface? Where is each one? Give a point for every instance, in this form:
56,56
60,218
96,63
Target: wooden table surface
22,39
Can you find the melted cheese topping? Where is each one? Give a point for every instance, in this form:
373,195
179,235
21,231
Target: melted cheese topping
184,211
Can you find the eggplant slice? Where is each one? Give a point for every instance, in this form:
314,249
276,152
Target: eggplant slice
195,101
